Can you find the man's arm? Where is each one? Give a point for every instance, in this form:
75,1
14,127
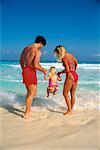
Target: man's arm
21,60
37,62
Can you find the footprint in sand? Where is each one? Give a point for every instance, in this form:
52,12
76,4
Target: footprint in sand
85,121
32,117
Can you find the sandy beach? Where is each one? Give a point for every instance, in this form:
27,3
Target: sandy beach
49,130
41,42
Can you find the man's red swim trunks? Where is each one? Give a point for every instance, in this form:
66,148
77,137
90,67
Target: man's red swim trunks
29,76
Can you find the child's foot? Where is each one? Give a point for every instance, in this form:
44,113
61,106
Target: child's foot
53,93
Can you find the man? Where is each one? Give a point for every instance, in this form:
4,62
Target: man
30,61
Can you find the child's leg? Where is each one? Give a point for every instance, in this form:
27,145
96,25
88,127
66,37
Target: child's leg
55,90
54,93
47,92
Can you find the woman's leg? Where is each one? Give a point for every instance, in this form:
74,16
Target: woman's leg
67,86
72,93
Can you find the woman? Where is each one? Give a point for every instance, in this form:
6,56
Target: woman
70,65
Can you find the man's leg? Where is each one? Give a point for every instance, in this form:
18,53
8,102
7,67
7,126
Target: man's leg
31,92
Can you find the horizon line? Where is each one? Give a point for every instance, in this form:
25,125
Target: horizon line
53,61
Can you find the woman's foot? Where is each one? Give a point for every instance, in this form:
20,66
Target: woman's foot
68,113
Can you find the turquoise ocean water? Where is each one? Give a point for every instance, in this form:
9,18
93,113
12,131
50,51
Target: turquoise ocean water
12,91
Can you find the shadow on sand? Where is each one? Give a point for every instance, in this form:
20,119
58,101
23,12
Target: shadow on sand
13,110
49,104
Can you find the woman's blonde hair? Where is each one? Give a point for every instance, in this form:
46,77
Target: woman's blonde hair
60,52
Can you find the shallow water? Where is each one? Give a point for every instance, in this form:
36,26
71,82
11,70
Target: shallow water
12,90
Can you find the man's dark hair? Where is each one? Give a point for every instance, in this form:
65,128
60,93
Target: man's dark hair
40,39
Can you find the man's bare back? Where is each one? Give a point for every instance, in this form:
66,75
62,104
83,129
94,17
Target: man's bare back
28,55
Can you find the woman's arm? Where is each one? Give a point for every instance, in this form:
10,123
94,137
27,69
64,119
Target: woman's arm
76,63
61,72
65,70
66,66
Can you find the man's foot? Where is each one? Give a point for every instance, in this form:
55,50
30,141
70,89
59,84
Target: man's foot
27,116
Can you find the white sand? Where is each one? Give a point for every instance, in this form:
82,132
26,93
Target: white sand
49,130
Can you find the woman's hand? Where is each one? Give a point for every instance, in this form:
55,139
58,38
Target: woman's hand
58,74
59,78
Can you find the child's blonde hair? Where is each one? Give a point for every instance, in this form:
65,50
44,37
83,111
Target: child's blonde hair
50,70
60,52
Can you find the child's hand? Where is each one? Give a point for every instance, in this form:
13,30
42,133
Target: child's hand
47,77
59,79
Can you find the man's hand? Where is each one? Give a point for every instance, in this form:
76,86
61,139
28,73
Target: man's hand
45,72
45,77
